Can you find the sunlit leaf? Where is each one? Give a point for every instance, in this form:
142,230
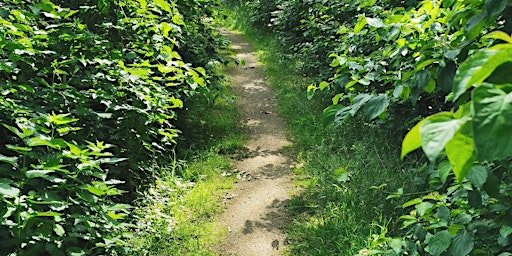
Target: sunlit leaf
474,70
412,140
436,131
462,243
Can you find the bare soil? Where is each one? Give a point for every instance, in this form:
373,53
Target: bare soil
256,209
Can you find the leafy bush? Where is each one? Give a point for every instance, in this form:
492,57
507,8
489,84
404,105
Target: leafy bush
78,78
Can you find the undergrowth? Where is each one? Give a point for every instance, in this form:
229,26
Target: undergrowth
346,173
180,207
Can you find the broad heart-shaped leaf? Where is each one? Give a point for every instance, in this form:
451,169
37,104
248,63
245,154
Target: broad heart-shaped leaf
8,159
439,243
492,126
358,102
479,66
375,106
436,131
460,152
412,140
462,243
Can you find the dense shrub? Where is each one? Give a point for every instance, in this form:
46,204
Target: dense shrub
448,60
88,98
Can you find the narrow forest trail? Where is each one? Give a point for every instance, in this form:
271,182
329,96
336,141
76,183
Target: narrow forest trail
256,209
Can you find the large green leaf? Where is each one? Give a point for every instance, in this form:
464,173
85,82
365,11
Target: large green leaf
477,175
439,243
436,131
462,243
460,153
492,112
412,140
479,66
375,106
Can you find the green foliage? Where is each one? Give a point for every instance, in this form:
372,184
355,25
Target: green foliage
447,60
81,76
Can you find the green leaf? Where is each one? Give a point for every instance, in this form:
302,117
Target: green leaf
8,159
477,175
414,201
492,112
477,67
396,245
492,185
358,102
460,153
375,22
311,91
462,244
444,169
360,24
341,175
439,243
436,131
163,4
38,173
7,191
59,230
499,35
375,106
412,140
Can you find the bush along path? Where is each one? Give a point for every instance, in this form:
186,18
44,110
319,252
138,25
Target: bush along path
256,209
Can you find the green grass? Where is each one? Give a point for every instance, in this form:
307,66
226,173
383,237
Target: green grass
177,211
331,217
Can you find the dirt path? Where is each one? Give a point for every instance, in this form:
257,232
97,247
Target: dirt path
256,210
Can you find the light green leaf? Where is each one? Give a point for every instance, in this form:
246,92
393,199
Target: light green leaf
423,208
414,201
360,24
499,35
7,191
444,169
492,128
436,131
495,7
460,153
412,140
8,159
477,175
38,173
341,175
477,67
375,22
462,243
439,243
505,231
163,4
59,230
